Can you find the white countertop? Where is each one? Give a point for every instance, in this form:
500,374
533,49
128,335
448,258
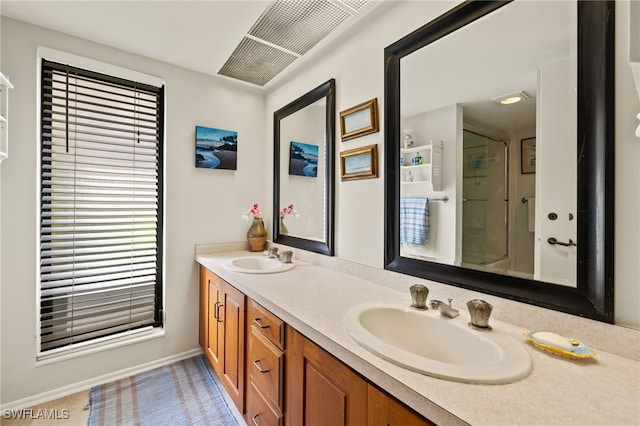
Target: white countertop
604,390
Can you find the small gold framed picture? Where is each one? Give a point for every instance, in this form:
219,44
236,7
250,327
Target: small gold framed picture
360,120
359,163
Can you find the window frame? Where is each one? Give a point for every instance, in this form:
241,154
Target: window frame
129,336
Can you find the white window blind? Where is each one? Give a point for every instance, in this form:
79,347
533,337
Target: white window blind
101,198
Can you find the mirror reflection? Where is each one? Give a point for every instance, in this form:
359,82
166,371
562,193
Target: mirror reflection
303,171
488,145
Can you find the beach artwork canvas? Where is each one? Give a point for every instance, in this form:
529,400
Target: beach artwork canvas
216,148
303,160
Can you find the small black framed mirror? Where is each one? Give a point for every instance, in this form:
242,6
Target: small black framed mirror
303,171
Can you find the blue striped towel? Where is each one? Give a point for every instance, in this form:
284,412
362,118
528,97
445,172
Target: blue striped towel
414,221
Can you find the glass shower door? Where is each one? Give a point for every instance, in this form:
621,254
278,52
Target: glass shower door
485,201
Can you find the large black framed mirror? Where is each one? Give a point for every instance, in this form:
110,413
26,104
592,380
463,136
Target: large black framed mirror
303,171
591,245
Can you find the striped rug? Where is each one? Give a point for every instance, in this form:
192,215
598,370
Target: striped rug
182,393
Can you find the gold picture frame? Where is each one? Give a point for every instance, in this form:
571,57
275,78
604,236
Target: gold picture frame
359,120
359,163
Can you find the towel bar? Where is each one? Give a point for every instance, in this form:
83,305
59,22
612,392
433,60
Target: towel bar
443,199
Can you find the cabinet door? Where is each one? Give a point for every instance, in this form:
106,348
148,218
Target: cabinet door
215,328
321,391
204,309
383,410
233,340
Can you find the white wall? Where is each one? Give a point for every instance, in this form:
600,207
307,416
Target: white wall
627,196
521,241
1,223
357,66
556,179
438,126
202,205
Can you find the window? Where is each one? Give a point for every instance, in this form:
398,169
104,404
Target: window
101,205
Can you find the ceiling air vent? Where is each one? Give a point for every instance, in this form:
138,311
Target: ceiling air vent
356,4
255,62
285,31
298,26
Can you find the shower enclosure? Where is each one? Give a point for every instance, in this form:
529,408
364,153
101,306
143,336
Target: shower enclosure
485,213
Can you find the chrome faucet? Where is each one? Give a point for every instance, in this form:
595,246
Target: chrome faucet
272,252
444,309
284,257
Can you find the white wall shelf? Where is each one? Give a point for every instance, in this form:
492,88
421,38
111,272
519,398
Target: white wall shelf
5,85
430,171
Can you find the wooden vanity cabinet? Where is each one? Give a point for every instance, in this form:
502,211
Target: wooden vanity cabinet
299,384
222,332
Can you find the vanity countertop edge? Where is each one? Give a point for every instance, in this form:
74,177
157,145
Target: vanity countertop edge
313,300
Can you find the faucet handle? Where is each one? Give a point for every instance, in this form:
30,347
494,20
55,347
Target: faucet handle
480,311
285,257
419,295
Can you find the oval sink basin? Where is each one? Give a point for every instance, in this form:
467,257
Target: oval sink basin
257,265
428,343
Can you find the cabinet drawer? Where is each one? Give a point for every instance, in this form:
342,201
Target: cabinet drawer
266,367
259,412
269,325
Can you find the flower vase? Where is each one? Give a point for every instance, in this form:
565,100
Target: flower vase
257,235
283,227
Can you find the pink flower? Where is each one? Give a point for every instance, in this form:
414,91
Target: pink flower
254,211
286,210
289,210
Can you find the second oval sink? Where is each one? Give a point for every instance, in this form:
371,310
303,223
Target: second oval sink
428,343
257,265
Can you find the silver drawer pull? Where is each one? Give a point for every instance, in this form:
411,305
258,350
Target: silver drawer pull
258,322
255,419
259,367
219,317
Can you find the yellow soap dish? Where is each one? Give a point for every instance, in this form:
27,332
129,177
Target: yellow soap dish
554,343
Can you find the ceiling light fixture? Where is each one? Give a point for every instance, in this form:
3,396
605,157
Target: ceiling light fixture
512,98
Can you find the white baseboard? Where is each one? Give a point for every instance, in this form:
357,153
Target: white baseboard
95,381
